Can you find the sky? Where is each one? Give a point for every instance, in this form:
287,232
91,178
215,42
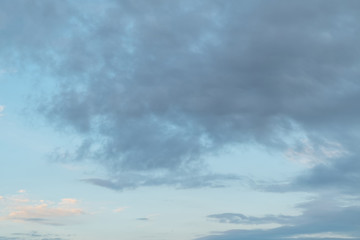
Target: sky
182,120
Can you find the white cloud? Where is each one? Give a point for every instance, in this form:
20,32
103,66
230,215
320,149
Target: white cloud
120,209
42,211
311,154
68,201
326,235
2,108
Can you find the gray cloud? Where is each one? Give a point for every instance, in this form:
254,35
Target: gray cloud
16,238
320,216
34,235
181,180
243,219
52,239
340,175
31,234
277,233
155,87
45,221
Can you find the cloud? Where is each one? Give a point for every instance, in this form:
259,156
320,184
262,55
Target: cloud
341,176
120,209
153,89
147,218
31,234
42,212
34,235
182,180
309,154
322,218
156,87
68,201
283,232
2,108
4,71
52,239
239,218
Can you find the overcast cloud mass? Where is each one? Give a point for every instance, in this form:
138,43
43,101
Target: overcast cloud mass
153,87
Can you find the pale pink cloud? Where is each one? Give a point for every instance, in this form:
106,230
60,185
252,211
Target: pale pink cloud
20,200
120,209
311,155
68,201
43,212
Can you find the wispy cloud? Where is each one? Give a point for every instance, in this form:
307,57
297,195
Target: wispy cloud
147,218
2,108
42,212
312,154
120,209
239,218
322,218
68,201
182,180
34,235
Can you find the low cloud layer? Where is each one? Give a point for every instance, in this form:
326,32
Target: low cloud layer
20,209
182,180
239,218
323,218
34,235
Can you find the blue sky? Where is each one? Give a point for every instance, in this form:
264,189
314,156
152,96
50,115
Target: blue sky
184,120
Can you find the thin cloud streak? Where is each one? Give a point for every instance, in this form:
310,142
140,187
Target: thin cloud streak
322,218
42,212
